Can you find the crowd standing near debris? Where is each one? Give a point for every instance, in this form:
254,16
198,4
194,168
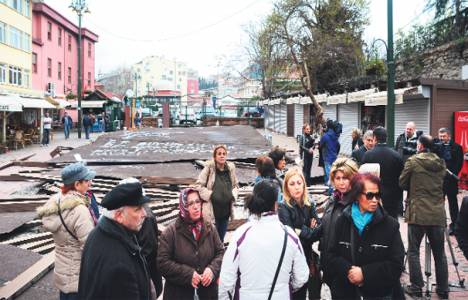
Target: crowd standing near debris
271,256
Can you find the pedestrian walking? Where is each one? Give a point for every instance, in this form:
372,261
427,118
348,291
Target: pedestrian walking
366,258
113,265
299,213
191,252
423,178
341,172
264,259
391,165
47,127
329,147
87,124
306,152
67,123
67,215
218,188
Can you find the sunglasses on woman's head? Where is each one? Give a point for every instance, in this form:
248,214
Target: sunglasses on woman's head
370,195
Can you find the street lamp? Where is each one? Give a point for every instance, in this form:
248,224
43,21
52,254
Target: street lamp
80,7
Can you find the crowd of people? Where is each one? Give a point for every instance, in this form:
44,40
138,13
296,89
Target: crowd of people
115,251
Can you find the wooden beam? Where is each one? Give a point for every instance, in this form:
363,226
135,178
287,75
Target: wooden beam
166,180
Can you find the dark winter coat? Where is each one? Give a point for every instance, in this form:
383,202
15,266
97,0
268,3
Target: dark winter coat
87,122
379,252
112,265
391,166
423,179
461,228
148,239
454,164
358,141
306,142
332,213
358,154
180,255
401,142
298,218
330,146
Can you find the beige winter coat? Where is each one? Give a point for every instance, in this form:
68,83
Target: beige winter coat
205,183
75,213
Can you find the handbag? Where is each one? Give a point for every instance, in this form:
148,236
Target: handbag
279,263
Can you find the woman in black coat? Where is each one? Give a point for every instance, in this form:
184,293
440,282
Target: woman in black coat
299,213
366,258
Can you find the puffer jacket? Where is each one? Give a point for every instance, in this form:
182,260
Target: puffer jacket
205,183
423,178
77,218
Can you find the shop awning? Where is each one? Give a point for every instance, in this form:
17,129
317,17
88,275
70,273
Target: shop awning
336,99
90,104
58,103
35,103
380,98
10,103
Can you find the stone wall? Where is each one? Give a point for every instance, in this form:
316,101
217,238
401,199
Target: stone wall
443,62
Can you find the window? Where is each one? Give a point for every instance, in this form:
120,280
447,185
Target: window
15,37
17,5
49,31
27,8
89,49
26,78
59,71
89,79
59,38
69,75
49,67
14,75
3,71
2,32
69,42
34,62
26,42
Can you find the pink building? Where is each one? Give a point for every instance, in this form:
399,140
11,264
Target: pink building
55,53
192,86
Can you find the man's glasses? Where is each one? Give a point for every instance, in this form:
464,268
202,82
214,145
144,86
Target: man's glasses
192,203
370,196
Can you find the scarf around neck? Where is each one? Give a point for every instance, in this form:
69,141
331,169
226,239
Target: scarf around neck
360,220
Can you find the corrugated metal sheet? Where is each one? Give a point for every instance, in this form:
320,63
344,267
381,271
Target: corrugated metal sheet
412,110
298,119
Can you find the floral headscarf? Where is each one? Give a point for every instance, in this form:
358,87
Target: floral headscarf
183,209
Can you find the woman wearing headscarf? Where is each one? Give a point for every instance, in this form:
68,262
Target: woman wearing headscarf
218,188
341,172
69,217
261,248
190,252
298,212
366,258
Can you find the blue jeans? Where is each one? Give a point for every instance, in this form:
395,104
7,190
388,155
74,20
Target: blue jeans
221,227
66,131
69,296
45,137
87,129
327,176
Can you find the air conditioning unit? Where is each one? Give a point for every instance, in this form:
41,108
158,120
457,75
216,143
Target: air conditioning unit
51,89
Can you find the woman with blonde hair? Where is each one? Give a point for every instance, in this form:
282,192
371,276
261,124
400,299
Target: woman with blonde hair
218,188
298,212
356,139
341,172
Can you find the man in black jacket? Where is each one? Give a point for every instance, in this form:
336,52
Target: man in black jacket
408,137
461,229
391,166
368,139
112,265
453,156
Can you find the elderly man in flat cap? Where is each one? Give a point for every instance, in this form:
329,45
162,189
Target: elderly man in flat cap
112,265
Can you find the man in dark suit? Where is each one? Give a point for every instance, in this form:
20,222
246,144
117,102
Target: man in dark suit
453,156
391,166
368,139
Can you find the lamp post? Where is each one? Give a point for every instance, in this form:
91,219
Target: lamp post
391,77
80,7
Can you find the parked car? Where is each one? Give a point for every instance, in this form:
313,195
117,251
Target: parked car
187,116
208,112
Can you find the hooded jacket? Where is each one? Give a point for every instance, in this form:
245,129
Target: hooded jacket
423,178
205,183
330,146
77,218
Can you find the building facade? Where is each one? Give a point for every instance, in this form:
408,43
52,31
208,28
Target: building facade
54,57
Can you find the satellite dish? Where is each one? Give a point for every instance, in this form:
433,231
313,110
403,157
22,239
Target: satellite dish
129,93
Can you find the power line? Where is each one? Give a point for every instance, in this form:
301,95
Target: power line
179,36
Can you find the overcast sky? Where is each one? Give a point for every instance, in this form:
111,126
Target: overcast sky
202,33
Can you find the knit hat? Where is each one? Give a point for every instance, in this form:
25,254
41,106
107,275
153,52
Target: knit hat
76,171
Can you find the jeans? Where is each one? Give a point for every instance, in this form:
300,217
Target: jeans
327,176
221,227
66,131
306,168
69,296
436,236
87,129
45,137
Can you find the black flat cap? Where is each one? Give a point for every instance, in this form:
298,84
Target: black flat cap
127,194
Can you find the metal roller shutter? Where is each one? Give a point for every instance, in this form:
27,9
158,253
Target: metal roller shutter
268,117
298,119
275,118
412,110
348,115
329,111
283,118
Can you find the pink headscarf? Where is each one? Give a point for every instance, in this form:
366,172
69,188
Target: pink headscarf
183,209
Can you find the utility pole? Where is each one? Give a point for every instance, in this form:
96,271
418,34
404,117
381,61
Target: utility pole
80,7
390,77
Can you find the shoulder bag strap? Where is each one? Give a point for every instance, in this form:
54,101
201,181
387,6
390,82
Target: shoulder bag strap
279,263
63,222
